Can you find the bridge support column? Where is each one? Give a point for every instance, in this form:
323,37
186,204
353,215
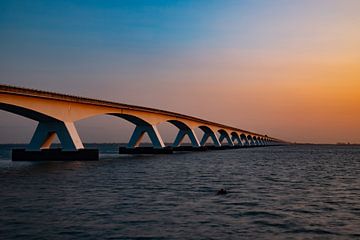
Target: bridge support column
46,132
209,133
182,133
236,138
39,147
244,140
225,135
152,132
250,141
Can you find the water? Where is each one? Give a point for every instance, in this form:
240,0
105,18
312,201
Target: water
294,192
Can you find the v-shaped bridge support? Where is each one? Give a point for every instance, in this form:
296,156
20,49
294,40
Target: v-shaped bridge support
46,132
139,133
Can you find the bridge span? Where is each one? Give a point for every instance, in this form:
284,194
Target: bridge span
56,114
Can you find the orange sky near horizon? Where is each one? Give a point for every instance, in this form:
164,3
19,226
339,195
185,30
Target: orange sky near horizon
288,69
303,99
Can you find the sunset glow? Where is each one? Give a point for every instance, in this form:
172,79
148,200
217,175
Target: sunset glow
289,69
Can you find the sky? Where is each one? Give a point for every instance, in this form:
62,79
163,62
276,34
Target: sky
288,69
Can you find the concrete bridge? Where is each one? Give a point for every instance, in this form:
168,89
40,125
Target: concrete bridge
56,114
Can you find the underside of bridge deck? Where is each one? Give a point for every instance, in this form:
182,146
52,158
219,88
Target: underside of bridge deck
56,114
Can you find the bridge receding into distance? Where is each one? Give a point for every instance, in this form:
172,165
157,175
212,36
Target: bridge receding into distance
56,114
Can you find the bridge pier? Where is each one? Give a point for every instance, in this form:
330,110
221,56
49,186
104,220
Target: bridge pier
57,113
244,140
236,137
181,135
208,133
39,147
133,147
224,135
46,131
55,154
256,141
152,132
250,140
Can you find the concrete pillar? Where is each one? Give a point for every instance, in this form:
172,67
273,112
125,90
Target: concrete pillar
209,133
46,131
139,132
225,135
182,133
250,140
235,137
256,141
245,142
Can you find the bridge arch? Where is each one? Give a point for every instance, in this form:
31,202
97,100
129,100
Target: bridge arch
224,135
250,140
244,139
26,112
256,140
184,130
57,113
142,127
209,133
235,137
47,129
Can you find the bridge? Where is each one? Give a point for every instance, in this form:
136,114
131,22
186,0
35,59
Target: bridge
56,114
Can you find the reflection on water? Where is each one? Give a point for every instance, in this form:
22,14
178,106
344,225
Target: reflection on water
275,192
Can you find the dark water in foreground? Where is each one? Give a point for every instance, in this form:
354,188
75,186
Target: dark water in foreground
287,192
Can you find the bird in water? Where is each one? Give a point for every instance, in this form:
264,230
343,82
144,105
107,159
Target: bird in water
222,192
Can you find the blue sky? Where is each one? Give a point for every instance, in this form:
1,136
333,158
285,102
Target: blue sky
235,62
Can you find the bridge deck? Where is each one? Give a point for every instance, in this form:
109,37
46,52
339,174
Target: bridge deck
71,98
56,114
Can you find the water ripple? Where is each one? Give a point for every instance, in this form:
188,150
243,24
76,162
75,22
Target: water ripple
295,192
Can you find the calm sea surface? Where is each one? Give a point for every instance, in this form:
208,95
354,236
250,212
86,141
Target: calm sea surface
291,192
